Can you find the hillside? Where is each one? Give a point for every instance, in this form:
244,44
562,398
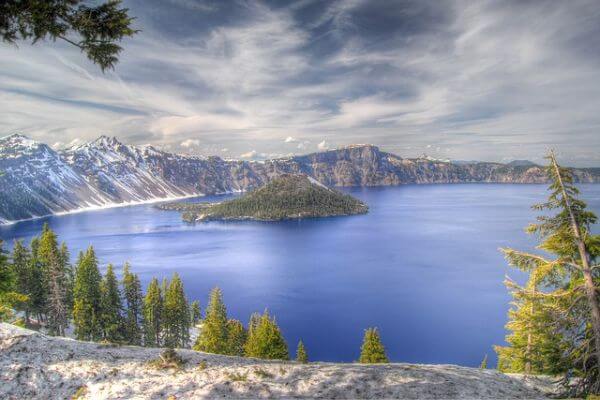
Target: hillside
285,197
37,180
35,366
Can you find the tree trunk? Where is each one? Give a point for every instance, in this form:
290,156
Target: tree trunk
590,287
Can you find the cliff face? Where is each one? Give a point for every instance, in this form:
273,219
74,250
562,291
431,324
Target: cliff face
34,366
37,180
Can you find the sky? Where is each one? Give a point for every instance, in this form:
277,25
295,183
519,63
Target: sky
464,80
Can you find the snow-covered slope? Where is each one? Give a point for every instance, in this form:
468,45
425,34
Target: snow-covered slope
36,180
34,366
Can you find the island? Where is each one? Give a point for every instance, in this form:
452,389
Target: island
289,196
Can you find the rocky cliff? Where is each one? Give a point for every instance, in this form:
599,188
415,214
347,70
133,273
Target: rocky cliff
36,180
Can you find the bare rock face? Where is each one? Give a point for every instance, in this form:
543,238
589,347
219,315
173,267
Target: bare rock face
34,366
36,180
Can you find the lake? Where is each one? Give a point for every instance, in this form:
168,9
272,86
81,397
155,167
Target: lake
423,265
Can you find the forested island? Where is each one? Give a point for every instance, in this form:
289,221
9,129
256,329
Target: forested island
290,196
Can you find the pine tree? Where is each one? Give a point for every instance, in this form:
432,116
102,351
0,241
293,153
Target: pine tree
21,268
265,340
8,297
213,336
372,350
176,315
38,294
153,314
569,280
65,259
87,298
112,307
196,314
55,282
236,338
301,355
132,294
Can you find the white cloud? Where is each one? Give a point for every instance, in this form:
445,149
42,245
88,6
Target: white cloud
290,139
190,143
249,155
323,146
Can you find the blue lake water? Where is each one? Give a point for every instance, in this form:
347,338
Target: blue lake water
423,266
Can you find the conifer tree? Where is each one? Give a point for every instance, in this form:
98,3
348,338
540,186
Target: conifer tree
132,294
153,314
265,340
196,314
301,355
372,350
8,297
236,338
38,295
21,268
112,307
569,280
87,298
55,282
65,259
176,315
213,336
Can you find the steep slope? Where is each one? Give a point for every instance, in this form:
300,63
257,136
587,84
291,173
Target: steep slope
38,181
34,366
288,196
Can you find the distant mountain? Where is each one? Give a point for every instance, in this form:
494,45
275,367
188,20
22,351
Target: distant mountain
289,196
37,180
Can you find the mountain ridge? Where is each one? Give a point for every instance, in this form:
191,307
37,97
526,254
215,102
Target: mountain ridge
39,181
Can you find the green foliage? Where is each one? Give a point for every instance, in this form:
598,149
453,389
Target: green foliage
95,29
213,336
554,319
195,313
112,307
87,308
301,355
176,318
288,196
372,350
55,282
153,314
265,340
236,338
132,294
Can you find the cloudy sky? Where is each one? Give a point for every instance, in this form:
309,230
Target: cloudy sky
487,80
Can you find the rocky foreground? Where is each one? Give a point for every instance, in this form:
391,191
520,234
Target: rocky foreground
35,366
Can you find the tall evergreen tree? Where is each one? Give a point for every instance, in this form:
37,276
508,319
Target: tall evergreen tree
55,282
301,355
65,259
265,340
112,307
176,315
38,295
372,350
213,336
196,314
8,297
132,294
87,298
153,314
569,280
21,268
236,338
